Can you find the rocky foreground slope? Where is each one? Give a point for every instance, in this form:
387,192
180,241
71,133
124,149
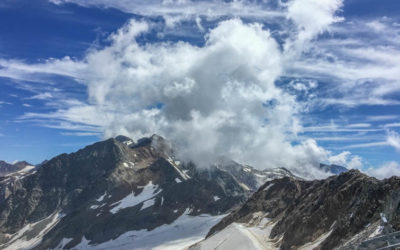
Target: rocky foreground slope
338,212
120,194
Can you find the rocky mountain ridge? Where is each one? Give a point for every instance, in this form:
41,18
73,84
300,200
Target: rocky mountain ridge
112,191
339,212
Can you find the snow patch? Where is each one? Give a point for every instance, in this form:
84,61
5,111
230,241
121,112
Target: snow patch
181,173
101,198
235,236
268,187
148,203
317,242
19,240
64,242
177,180
216,198
128,164
180,234
148,192
128,143
377,231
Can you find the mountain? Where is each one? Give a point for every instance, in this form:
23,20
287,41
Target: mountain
121,194
7,168
340,212
333,169
251,178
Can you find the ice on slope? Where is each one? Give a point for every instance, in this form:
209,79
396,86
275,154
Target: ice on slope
128,142
255,237
236,236
128,164
175,164
64,242
182,233
268,187
20,240
148,203
148,192
315,243
101,198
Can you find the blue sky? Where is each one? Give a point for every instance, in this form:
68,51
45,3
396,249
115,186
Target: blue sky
321,80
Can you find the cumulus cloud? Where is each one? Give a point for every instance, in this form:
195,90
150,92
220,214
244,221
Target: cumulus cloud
347,160
212,97
386,170
218,99
210,101
310,25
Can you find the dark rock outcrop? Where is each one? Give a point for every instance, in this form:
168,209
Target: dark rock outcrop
84,189
340,207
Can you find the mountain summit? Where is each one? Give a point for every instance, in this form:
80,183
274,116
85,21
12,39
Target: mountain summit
121,194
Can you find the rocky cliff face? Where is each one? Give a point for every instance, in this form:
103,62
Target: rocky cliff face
338,212
113,188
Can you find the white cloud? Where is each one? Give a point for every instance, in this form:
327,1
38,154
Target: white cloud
346,159
368,145
212,97
174,12
311,25
393,139
42,96
358,71
385,171
359,125
392,125
19,70
382,117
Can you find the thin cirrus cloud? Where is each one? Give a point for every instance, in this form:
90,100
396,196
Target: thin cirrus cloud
221,98
175,11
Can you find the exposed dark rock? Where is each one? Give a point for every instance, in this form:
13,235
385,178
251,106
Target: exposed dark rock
333,169
71,184
341,206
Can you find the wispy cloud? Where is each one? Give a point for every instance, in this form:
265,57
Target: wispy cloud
359,125
368,145
82,133
42,96
334,129
176,11
382,117
392,125
393,139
